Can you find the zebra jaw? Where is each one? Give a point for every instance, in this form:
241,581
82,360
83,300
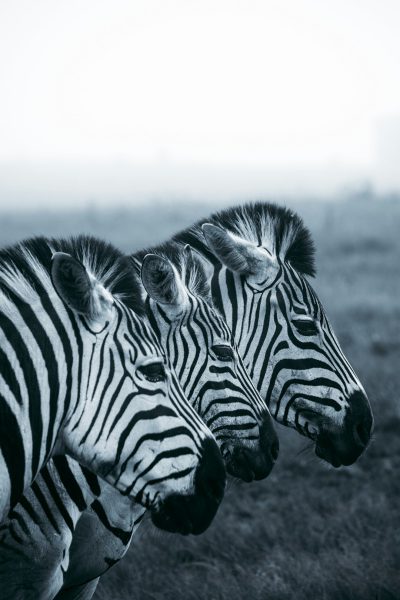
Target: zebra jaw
237,464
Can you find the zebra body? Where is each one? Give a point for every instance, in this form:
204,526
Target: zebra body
42,518
199,347
257,258
83,374
36,537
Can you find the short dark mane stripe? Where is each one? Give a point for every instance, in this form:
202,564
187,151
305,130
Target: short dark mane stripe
26,263
259,222
191,271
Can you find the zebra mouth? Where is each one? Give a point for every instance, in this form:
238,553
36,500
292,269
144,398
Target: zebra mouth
335,452
184,514
327,454
345,446
240,472
193,513
170,520
249,464
237,464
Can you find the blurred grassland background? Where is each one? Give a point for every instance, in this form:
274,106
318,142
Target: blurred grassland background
137,103
308,531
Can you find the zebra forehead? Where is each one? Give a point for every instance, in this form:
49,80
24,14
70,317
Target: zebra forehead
189,267
25,267
276,227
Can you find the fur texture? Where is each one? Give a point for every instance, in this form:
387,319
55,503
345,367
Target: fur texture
186,263
277,228
25,268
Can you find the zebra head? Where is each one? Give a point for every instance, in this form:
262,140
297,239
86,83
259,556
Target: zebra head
132,424
264,254
203,353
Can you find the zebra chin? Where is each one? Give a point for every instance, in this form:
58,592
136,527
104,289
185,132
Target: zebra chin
344,447
193,513
256,461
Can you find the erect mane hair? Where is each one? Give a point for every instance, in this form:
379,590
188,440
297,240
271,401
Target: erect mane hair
26,266
189,267
263,223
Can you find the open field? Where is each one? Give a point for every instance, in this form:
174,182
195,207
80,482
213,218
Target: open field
308,531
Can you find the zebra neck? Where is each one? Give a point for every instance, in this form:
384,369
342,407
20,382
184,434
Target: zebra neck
39,383
92,359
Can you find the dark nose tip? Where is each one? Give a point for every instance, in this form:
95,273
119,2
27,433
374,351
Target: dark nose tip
210,475
256,462
269,440
361,418
275,450
362,433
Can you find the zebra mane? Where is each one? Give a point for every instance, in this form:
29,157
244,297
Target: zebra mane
278,228
188,265
26,266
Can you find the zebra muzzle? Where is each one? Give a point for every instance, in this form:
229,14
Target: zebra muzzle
253,460
344,447
193,513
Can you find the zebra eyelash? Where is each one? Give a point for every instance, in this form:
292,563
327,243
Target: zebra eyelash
153,372
305,326
223,352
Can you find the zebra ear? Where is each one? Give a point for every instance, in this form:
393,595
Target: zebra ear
237,254
161,280
79,290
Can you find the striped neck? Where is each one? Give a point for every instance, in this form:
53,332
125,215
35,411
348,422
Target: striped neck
46,354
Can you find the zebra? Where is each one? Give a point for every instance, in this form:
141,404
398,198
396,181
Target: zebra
204,356
208,367
73,357
258,257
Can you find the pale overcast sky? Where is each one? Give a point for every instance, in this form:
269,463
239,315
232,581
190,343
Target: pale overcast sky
277,83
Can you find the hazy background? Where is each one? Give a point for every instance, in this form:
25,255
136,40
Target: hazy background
130,120
133,101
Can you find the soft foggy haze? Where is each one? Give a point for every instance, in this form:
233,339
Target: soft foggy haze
223,98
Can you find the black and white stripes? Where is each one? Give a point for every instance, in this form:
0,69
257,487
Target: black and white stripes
76,376
200,349
258,255
271,332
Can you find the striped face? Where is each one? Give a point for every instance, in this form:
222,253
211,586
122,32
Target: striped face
289,348
133,426
204,356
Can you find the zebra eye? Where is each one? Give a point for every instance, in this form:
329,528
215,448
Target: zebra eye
153,372
305,326
223,352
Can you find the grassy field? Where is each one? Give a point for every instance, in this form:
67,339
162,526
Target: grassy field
308,531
